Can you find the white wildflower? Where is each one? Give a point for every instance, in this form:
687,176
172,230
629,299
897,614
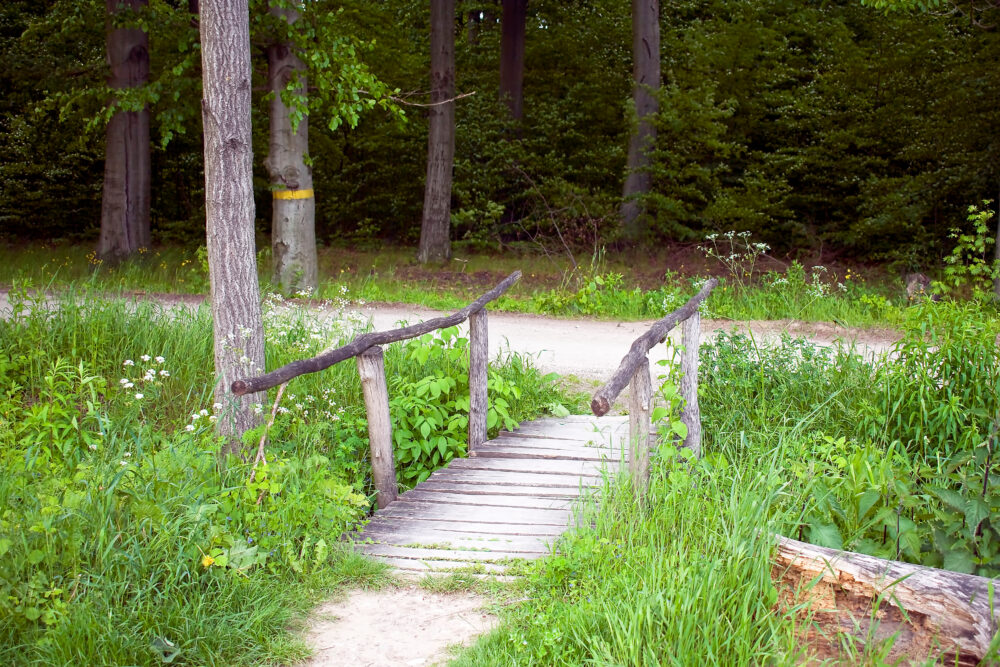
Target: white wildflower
165,373
189,427
128,362
160,360
138,397
145,357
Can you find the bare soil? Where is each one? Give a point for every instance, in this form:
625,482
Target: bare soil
395,627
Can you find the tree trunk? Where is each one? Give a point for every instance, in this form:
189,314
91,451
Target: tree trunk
293,221
229,207
515,14
944,616
126,195
646,73
435,228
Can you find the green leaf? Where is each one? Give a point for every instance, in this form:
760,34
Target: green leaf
976,510
36,556
959,560
4,546
425,429
825,535
659,412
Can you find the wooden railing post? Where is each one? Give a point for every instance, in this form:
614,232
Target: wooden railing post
371,368
691,413
639,408
478,379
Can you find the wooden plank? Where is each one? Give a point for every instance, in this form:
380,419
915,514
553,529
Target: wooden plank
535,466
531,479
439,512
531,441
443,566
422,494
448,540
609,434
416,553
490,450
382,525
457,486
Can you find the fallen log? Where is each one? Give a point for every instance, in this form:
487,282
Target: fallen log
930,613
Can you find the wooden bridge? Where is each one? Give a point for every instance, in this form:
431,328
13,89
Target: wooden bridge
513,497
510,501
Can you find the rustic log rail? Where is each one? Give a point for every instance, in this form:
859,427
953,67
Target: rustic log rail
634,370
371,368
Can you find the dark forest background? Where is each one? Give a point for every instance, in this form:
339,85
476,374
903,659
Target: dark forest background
814,125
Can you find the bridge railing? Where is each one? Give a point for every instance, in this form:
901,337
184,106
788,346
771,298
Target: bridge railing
634,371
366,348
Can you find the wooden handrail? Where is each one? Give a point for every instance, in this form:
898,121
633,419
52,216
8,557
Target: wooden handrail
366,341
371,369
605,396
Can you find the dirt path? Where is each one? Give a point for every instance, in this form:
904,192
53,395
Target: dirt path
395,627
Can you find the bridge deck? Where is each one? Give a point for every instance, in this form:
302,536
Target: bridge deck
511,501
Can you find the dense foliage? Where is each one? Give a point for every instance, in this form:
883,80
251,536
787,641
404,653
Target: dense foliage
124,539
806,123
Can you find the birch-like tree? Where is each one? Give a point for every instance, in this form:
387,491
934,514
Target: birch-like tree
229,205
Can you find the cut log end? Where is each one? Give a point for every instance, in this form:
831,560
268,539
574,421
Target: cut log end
600,406
240,387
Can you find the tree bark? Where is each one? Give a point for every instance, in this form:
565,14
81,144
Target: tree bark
479,402
371,369
229,207
435,227
691,413
126,195
293,221
640,407
646,75
605,396
953,610
515,14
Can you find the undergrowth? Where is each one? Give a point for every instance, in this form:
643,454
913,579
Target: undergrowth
125,539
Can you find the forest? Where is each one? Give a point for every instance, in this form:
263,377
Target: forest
817,126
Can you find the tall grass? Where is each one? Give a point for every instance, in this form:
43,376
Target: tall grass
681,579
124,539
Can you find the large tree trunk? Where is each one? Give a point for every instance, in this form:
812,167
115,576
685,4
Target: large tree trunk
229,207
435,228
125,199
515,14
646,73
293,221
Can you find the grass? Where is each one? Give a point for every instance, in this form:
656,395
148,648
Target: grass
124,538
799,441
629,286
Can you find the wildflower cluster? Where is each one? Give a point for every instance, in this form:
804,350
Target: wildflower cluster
737,253
151,376
211,418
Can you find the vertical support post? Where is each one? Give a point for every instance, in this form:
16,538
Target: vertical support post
691,413
371,368
639,407
478,379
